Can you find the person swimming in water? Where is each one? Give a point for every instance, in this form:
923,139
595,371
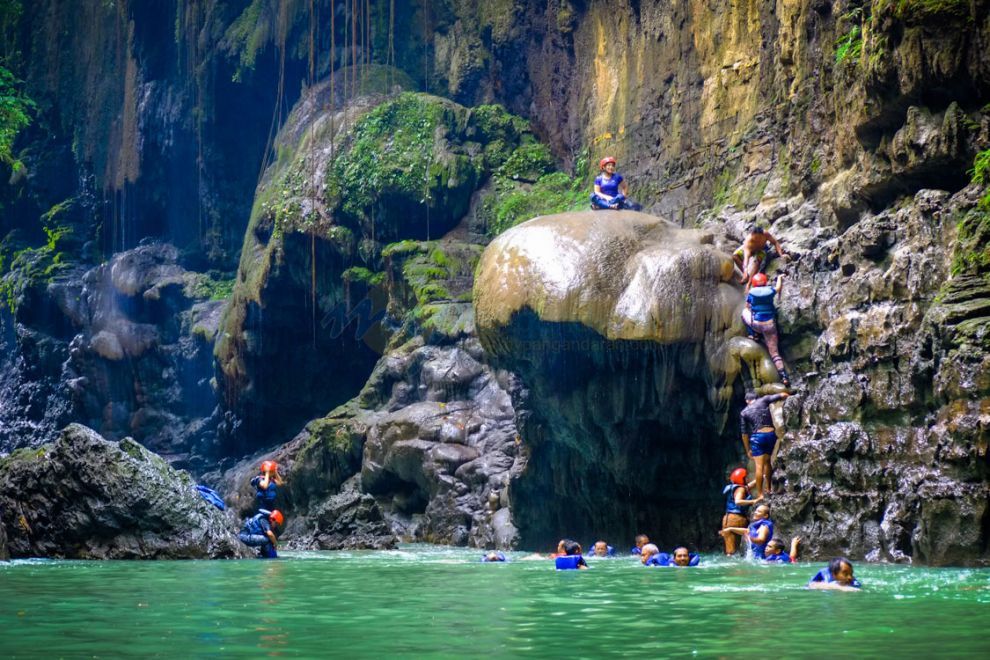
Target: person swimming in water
738,499
753,255
775,551
641,540
681,557
493,555
759,436
647,553
759,532
603,549
838,575
572,549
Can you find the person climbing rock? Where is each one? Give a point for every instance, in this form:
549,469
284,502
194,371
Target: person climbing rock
760,317
753,255
259,532
641,540
738,499
266,485
610,187
759,532
775,551
759,436
837,576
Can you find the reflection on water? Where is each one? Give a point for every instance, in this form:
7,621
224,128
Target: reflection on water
427,601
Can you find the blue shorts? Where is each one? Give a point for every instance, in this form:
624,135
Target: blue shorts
762,443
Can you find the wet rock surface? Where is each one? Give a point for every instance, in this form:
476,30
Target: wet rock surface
84,497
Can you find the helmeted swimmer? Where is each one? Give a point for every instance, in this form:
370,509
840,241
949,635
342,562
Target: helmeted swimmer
611,188
838,576
760,317
259,532
266,485
738,499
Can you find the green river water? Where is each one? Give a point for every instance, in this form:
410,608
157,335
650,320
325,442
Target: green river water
424,601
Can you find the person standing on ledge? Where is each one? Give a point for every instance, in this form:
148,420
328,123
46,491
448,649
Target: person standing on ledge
760,317
752,256
610,187
266,485
759,436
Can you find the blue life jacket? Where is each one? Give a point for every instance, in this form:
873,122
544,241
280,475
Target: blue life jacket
825,575
258,524
266,496
664,559
635,551
498,557
569,562
760,301
754,531
782,558
211,496
730,500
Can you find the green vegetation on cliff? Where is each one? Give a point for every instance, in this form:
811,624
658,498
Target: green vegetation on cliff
511,204
31,266
972,253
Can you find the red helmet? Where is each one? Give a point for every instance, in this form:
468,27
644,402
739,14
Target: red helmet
277,517
738,476
269,466
760,279
605,161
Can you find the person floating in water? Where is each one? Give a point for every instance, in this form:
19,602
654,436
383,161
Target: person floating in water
573,556
838,576
759,532
493,555
603,549
738,499
266,485
759,436
680,557
641,540
647,553
259,532
760,317
753,255
611,189
775,551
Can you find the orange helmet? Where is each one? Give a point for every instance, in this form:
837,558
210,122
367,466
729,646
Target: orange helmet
277,517
760,279
269,466
739,476
605,161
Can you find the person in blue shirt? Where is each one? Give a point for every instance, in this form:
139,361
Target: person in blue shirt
775,551
760,317
837,576
610,187
266,485
259,532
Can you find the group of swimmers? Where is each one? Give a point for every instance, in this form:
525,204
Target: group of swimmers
261,530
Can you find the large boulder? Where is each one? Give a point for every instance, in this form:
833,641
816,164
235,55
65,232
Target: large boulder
84,497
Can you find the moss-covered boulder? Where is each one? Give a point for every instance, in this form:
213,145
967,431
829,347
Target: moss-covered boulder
83,497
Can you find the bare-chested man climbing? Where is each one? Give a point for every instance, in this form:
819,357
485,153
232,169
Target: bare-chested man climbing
753,253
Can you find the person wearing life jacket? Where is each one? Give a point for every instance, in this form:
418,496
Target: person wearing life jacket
648,554
738,499
266,485
680,557
753,255
259,532
759,436
775,551
837,576
493,555
759,532
641,540
603,549
610,187
760,317
573,557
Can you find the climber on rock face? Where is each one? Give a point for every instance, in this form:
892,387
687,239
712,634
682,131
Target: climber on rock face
753,255
760,317
737,502
610,187
759,436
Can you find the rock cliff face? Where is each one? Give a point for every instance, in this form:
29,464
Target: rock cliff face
84,497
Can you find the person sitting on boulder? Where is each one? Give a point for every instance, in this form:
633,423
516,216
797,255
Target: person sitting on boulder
641,540
760,317
737,502
610,187
775,551
759,436
753,255
266,485
759,532
259,532
838,576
